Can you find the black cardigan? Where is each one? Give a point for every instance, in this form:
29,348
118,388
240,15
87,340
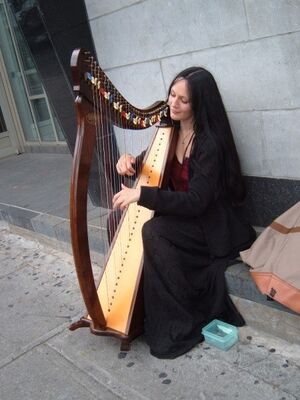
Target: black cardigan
224,227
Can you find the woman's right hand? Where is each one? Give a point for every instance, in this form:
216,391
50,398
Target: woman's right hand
125,165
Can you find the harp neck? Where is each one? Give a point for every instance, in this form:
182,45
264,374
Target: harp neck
93,84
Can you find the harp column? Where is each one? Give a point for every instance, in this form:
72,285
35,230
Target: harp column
85,142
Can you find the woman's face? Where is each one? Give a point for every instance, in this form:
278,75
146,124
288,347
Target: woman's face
179,101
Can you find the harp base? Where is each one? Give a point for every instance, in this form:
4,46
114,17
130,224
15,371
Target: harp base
125,339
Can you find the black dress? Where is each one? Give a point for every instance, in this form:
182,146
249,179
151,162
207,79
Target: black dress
185,260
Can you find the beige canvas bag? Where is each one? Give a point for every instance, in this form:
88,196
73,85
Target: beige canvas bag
274,259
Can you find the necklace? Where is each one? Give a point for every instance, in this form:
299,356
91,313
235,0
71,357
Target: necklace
186,136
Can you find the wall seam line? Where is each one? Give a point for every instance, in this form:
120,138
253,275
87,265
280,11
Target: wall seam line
242,42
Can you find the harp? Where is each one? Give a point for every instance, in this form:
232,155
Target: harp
115,303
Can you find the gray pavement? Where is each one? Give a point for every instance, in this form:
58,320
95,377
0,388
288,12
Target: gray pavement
41,359
34,194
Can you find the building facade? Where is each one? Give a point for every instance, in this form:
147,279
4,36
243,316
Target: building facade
27,118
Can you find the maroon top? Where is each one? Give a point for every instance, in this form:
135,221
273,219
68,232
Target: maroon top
180,174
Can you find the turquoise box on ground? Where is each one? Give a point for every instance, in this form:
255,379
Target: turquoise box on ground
220,334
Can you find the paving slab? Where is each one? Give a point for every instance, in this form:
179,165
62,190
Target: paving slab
38,291
43,374
38,182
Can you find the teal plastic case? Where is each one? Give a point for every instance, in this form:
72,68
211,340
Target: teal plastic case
220,334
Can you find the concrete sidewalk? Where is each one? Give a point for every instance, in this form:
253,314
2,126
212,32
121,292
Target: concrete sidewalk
41,359
35,195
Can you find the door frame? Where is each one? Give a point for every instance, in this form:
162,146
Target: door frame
11,116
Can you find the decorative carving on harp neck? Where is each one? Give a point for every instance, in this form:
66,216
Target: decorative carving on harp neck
91,81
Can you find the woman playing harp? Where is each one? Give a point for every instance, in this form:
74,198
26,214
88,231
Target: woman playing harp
198,227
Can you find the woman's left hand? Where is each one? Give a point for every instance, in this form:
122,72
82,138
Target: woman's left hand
125,197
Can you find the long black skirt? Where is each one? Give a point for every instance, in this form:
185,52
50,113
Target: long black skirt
184,286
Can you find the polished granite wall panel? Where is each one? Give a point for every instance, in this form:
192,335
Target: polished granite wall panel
269,17
281,133
98,8
154,29
268,142
247,130
142,84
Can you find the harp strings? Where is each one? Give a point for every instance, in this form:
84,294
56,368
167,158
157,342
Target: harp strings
116,179
110,108
97,109
109,180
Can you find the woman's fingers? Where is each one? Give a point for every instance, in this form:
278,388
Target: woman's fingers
124,165
119,203
125,196
129,161
119,200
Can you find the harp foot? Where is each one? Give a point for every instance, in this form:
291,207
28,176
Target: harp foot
79,324
125,345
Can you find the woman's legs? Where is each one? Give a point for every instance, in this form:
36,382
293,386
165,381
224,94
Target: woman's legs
184,288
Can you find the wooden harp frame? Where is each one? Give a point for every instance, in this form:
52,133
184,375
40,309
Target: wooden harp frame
89,81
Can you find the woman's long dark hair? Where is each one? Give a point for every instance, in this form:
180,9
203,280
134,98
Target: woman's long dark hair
210,119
